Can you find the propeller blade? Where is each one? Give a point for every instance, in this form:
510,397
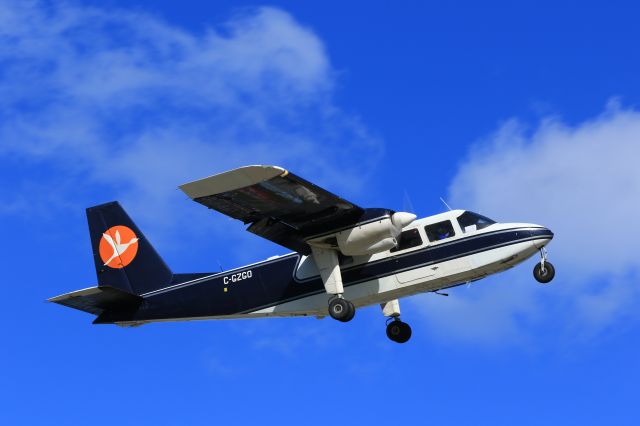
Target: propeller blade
407,205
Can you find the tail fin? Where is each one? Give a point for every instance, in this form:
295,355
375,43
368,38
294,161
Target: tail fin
123,257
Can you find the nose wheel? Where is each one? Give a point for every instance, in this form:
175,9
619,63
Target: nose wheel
398,331
544,271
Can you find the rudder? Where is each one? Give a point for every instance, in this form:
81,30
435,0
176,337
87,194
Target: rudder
123,257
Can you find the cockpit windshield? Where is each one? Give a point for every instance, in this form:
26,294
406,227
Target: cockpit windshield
470,221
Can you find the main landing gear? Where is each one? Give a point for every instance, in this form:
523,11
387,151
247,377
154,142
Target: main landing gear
397,331
544,271
341,309
327,262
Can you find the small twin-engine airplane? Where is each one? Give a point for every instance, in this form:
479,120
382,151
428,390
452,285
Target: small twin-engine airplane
345,256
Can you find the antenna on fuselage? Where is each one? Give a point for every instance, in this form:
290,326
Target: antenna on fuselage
445,203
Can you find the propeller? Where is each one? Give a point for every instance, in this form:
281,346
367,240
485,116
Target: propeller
402,219
407,205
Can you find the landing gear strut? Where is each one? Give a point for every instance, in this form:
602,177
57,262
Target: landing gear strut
544,271
341,309
327,262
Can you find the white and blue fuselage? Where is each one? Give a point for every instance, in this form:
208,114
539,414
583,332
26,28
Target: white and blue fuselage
291,285
467,255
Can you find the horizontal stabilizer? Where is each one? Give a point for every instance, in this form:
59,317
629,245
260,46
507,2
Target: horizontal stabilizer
96,300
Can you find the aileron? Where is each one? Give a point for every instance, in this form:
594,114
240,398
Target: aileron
231,180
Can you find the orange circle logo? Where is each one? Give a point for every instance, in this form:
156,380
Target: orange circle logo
118,246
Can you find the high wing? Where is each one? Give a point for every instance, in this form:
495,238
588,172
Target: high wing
279,205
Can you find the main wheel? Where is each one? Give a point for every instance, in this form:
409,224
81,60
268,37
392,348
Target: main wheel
341,309
352,311
545,276
398,331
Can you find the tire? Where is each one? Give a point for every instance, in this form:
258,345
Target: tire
352,312
398,331
341,310
546,276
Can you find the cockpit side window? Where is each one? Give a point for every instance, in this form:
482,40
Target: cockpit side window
440,231
470,221
409,238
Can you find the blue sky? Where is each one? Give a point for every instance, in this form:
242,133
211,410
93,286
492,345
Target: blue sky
523,111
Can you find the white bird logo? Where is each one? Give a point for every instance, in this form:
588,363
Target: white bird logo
117,246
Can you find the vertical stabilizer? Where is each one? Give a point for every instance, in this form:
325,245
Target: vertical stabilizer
123,256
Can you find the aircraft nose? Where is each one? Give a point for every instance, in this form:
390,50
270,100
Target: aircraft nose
547,232
544,235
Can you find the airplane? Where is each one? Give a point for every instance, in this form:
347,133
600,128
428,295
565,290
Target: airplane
343,256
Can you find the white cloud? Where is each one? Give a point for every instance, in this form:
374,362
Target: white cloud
126,103
581,181
287,337
490,312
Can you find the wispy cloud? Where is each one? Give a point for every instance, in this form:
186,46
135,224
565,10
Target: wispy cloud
582,181
285,338
130,105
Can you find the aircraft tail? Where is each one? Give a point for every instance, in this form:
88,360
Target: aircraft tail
124,258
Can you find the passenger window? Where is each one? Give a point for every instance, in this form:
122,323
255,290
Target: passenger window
440,231
408,239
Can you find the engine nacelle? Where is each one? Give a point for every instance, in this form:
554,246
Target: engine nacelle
374,237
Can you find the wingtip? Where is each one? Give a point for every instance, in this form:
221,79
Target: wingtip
231,180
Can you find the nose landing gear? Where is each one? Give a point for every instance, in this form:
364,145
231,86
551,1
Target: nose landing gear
544,271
